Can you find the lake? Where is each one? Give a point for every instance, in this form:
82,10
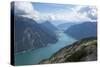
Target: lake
35,56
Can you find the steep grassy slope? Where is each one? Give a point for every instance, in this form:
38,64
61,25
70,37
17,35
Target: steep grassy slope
82,50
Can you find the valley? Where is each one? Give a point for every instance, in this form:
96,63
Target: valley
35,56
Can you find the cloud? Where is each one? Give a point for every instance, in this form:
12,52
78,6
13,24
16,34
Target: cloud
23,7
26,9
90,11
70,17
76,14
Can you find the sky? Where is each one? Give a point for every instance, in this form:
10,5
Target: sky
56,12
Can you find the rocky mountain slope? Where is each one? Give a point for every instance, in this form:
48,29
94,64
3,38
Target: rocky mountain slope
65,26
82,30
30,35
82,50
49,27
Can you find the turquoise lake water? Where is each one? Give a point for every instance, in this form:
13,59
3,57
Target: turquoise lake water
35,56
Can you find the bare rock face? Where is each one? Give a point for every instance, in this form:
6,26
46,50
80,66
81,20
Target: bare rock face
82,50
30,35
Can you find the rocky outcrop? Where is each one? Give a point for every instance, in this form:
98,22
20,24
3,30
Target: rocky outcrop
82,50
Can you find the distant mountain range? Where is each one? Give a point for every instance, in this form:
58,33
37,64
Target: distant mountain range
82,30
65,26
31,35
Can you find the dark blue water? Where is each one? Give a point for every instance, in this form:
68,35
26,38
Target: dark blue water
35,56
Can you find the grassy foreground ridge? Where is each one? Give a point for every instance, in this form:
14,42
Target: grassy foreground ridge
82,50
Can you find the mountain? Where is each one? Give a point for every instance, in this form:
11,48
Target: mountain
65,26
30,35
82,50
49,27
82,30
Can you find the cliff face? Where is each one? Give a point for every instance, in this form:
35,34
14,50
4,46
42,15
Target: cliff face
82,50
30,35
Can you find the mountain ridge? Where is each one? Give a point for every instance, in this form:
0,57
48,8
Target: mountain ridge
82,50
29,34
82,30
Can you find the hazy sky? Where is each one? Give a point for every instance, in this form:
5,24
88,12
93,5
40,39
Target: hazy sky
56,12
